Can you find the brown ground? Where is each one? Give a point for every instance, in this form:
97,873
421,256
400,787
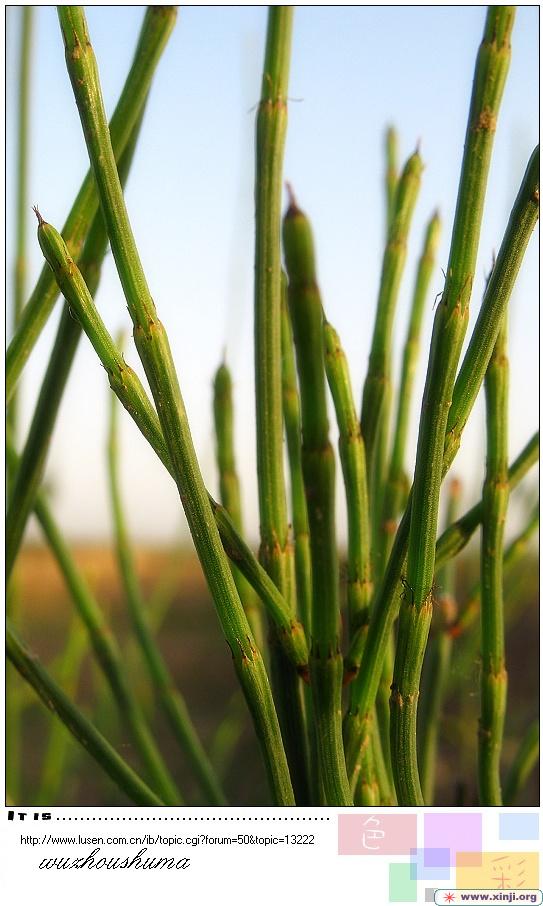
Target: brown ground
191,642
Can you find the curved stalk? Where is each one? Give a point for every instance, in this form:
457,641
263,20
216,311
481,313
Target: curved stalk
81,729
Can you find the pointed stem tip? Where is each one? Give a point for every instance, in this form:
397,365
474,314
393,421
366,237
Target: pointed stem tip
38,215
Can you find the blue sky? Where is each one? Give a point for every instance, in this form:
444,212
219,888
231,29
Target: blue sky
190,199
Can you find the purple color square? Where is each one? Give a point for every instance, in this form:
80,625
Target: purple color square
456,832
430,865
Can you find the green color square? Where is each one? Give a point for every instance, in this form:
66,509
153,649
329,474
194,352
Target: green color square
401,888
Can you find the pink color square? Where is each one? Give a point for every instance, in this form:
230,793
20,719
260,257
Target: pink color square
376,835
469,860
461,832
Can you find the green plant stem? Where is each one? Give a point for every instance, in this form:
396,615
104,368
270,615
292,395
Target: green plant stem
512,555
105,649
449,329
391,174
523,764
33,457
379,367
291,415
353,461
275,548
230,489
436,670
58,749
319,480
451,542
171,700
156,29
495,500
397,482
128,388
81,729
21,210
154,350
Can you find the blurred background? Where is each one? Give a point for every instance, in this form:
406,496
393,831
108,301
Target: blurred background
190,199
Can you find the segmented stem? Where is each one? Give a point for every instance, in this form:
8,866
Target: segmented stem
495,500
449,329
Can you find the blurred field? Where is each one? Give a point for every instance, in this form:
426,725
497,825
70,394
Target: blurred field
200,661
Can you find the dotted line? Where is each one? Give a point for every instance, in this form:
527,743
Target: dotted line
186,818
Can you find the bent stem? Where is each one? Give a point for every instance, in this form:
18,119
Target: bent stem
171,700
81,729
154,350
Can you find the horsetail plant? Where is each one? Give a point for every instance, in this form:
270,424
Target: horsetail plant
495,500
311,755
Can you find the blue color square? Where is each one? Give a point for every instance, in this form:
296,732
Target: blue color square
519,826
430,864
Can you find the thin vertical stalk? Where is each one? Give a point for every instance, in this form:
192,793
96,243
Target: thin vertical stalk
495,500
21,210
229,488
391,174
326,665
291,415
83,731
105,649
153,347
523,764
58,751
397,483
275,548
171,700
33,457
379,366
353,462
436,671
449,329
156,29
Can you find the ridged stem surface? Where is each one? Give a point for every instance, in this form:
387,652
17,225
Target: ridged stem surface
495,500
223,412
326,665
448,334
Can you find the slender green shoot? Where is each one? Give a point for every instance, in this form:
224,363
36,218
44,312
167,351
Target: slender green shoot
523,764
81,729
391,174
495,500
171,700
436,670
230,489
153,347
449,329
326,664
